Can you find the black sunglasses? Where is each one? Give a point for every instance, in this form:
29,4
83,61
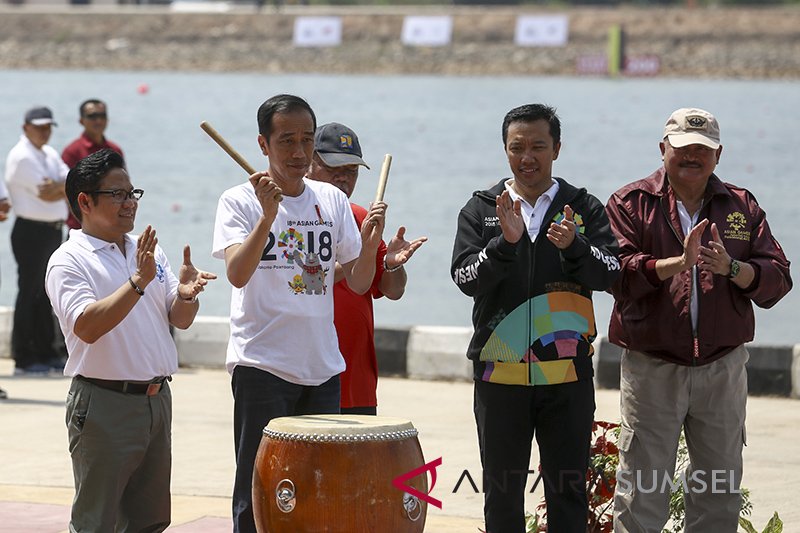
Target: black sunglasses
96,116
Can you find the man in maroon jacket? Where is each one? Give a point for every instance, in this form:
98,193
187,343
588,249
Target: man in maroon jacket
696,253
94,119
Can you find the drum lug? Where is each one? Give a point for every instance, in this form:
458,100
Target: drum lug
411,504
284,495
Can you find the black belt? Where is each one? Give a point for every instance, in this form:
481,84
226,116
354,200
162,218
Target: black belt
150,388
58,224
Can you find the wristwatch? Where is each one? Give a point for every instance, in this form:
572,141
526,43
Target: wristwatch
735,268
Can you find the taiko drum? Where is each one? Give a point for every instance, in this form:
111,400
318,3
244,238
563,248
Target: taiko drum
334,473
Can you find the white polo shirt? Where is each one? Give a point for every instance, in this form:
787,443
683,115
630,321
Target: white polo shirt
282,319
26,169
84,270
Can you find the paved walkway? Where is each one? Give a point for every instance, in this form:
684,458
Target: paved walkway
36,477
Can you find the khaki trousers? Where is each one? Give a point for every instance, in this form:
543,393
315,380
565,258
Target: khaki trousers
657,400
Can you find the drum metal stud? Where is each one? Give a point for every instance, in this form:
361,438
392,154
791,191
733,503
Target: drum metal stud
284,495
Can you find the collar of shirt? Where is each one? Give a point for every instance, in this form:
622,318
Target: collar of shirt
93,243
533,215
89,144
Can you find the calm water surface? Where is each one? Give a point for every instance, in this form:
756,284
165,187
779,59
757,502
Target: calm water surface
444,135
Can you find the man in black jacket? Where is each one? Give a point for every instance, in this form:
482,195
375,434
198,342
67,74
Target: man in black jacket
530,251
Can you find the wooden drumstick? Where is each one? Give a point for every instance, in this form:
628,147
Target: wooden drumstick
387,162
236,156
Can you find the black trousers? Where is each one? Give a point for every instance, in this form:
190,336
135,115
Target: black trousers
33,336
561,417
258,398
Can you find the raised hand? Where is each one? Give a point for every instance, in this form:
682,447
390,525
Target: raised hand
267,192
373,225
510,214
691,245
714,257
145,256
191,281
399,250
563,234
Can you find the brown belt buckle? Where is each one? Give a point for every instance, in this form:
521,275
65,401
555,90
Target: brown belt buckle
153,389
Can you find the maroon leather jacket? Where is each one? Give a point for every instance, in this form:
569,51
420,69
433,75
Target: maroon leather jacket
652,316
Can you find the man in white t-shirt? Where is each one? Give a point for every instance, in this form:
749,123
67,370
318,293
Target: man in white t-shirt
35,177
280,256
115,298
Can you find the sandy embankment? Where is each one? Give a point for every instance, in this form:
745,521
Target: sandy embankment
714,42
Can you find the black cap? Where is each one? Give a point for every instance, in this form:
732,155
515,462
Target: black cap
337,145
39,116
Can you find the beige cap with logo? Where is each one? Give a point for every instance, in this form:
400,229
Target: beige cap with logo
689,125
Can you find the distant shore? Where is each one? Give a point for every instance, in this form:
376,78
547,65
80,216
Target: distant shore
740,43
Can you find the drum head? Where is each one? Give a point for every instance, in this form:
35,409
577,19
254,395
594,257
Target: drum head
339,428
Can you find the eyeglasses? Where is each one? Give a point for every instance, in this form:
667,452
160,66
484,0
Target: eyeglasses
96,116
118,196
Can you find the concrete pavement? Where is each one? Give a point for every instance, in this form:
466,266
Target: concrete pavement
36,478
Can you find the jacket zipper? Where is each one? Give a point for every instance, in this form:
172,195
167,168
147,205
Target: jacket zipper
695,339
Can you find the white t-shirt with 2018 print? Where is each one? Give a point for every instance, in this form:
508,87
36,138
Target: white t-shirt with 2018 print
282,319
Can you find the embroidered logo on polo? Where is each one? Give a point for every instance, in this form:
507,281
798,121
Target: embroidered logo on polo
578,219
696,122
737,223
160,275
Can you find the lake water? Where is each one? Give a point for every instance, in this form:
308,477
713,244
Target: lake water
444,135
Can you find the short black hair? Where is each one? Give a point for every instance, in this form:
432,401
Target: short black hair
85,177
532,113
82,108
281,103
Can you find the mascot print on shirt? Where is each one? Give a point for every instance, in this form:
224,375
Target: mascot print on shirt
312,280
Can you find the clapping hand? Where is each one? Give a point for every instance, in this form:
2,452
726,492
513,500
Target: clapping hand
563,234
509,213
191,281
399,250
145,256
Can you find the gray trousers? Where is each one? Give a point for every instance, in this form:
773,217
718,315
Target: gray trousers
121,459
657,400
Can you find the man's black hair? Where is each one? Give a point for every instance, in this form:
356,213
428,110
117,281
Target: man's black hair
532,113
88,173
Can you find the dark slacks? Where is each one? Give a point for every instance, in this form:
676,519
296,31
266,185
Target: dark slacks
258,398
33,337
561,417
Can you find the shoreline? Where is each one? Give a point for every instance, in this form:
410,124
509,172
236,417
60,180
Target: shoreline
705,43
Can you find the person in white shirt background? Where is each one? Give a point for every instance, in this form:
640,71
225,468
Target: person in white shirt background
35,177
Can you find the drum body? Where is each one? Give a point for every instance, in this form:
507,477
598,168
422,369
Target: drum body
334,473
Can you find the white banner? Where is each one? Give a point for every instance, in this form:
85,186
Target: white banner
427,31
317,31
548,30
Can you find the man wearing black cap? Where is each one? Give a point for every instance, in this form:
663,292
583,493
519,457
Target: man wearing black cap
35,177
337,156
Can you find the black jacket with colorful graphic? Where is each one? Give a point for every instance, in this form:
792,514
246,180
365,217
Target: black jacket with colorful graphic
533,314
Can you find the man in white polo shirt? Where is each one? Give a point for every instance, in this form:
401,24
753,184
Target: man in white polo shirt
35,176
115,297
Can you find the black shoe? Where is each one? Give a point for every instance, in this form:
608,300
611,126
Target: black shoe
3,394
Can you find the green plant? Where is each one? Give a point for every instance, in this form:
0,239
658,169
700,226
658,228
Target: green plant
775,525
601,480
